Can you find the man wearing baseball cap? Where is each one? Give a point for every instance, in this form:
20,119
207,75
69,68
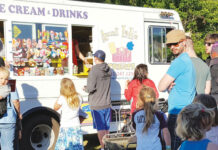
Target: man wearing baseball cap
179,81
98,87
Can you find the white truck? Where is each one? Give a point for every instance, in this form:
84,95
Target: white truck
37,37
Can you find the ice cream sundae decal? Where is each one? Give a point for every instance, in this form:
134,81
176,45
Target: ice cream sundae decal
121,44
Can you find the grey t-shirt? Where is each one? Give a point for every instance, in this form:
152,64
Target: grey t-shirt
202,74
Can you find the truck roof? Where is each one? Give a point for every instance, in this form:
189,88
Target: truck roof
149,13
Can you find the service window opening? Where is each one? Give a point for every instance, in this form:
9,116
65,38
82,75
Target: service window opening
2,39
81,50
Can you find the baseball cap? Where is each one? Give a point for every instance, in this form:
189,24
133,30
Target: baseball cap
174,36
214,51
100,54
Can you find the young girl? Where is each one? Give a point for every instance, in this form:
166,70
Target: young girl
149,122
192,123
70,135
210,102
132,87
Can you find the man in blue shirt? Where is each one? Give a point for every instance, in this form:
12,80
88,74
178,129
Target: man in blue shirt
179,81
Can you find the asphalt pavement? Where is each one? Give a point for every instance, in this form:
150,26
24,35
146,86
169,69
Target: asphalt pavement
91,142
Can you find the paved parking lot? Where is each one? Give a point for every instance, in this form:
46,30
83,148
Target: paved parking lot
90,142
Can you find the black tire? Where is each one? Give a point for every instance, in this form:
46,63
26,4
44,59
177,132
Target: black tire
32,134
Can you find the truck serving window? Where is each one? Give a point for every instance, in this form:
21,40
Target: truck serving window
158,51
39,49
81,39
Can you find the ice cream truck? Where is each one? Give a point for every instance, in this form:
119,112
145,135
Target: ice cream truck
36,39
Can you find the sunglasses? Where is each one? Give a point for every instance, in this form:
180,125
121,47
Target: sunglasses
208,44
174,44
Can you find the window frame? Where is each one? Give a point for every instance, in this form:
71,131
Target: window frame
150,42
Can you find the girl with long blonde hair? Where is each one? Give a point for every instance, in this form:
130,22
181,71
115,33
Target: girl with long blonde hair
70,135
69,92
149,122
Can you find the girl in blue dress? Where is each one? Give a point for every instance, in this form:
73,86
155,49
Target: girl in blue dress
70,135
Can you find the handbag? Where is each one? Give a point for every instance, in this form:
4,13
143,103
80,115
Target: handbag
3,105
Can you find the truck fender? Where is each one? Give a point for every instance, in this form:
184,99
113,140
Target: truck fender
41,110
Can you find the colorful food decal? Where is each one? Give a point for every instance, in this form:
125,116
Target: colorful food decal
38,52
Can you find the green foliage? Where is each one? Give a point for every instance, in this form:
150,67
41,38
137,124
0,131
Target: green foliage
199,17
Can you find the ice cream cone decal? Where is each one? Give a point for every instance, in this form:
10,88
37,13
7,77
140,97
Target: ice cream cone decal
112,47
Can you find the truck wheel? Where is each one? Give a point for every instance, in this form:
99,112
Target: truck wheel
40,132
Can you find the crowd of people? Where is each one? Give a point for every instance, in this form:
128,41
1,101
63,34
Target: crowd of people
187,77
192,84
192,111
98,87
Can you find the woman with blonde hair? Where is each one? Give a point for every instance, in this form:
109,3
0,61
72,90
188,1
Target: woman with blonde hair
70,135
149,122
192,123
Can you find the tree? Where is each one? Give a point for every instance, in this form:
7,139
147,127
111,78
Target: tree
199,17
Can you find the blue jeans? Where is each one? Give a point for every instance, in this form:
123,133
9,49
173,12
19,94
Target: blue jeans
7,135
175,140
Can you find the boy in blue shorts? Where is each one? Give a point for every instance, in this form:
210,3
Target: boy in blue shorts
98,87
